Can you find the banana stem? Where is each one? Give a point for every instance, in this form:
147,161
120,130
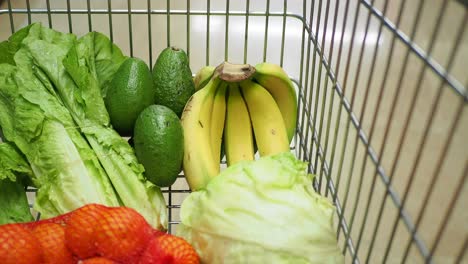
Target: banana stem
234,72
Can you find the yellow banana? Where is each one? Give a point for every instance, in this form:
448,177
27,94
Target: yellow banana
203,76
217,121
273,78
199,165
268,125
238,138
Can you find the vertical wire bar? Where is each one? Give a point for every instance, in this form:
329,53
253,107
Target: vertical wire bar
317,89
356,139
28,7
374,118
246,36
392,112
168,22
208,8
449,211
265,39
70,25
169,202
188,30
150,39
332,97
285,8
307,104
363,107
443,155
338,118
343,149
90,24
463,251
362,115
311,127
10,13
459,187
49,17
301,69
226,32
130,31
109,8
324,96
433,38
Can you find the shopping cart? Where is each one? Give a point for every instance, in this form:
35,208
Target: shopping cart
382,90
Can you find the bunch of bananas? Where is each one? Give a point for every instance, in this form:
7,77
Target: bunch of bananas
241,108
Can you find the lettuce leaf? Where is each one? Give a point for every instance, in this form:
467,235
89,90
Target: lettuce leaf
75,69
9,47
66,170
263,211
107,58
15,172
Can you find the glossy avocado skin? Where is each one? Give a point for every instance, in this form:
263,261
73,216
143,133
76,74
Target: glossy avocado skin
159,144
172,79
130,91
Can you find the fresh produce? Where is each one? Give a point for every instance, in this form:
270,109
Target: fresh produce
98,260
19,245
130,91
273,78
168,249
159,144
92,234
107,59
238,137
251,107
15,173
52,100
203,76
51,238
199,163
218,116
263,211
81,227
268,125
172,79
121,234
67,171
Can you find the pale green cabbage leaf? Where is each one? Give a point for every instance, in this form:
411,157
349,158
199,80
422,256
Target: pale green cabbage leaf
263,211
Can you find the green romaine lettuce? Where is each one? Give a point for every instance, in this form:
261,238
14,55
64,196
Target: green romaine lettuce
263,211
76,69
14,175
66,170
9,47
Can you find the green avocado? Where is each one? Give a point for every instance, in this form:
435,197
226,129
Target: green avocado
130,91
159,144
172,78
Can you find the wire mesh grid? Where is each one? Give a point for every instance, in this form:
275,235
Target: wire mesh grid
382,92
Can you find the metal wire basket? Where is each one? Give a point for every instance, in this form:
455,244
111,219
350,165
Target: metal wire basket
382,87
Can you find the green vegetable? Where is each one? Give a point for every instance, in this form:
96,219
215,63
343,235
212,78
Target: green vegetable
14,174
107,58
72,68
263,211
9,47
66,170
